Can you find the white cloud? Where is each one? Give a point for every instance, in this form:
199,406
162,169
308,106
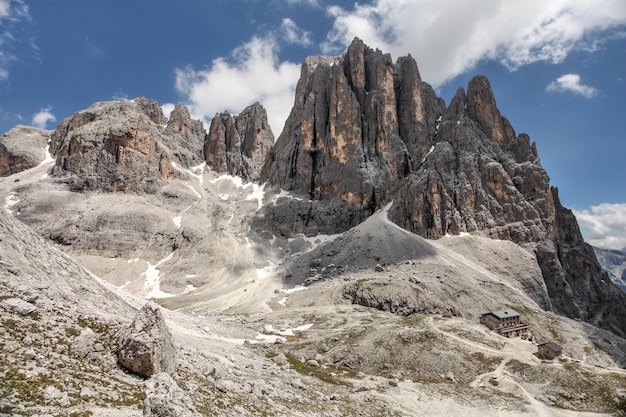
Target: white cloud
571,83
42,118
253,73
604,225
293,34
12,13
5,6
449,37
167,109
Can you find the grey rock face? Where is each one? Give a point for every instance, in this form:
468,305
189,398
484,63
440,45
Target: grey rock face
125,146
358,126
238,145
111,146
185,137
147,348
164,398
575,279
341,140
471,181
21,148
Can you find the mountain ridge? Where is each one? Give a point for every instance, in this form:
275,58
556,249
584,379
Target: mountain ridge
379,210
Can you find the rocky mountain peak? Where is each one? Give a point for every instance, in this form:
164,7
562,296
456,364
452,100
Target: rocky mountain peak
125,146
238,145
184,136
481,106
111,146
152,109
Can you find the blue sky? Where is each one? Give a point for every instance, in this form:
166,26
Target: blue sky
557,68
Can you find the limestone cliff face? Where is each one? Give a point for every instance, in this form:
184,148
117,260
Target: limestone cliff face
353,132
21,148
575,279
238,145
185,137
364,131
478,176
124,146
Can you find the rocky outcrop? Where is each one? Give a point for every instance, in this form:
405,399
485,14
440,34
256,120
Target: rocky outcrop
575,281
238,145
147,348
477,177
112,146
341,143
185,137
164,398
397,297
125,146
21,148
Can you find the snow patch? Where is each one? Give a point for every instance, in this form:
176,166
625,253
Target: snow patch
178,220
286,194
315,241
265,272
10,201
196,172
270,330
194,190
283,301
153,276
271,335
432,148
49,159
257,192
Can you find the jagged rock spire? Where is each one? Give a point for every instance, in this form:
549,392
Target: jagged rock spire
238,145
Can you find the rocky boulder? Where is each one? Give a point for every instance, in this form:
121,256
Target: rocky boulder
147,347
21,148
164,398
238,145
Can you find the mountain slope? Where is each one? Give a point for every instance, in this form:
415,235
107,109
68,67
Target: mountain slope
365,131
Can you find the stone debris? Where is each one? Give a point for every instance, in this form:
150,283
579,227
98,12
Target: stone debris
164,398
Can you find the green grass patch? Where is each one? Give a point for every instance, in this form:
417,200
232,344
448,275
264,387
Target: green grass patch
324,374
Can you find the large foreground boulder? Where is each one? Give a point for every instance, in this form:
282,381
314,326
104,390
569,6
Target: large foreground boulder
147,348
164,398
